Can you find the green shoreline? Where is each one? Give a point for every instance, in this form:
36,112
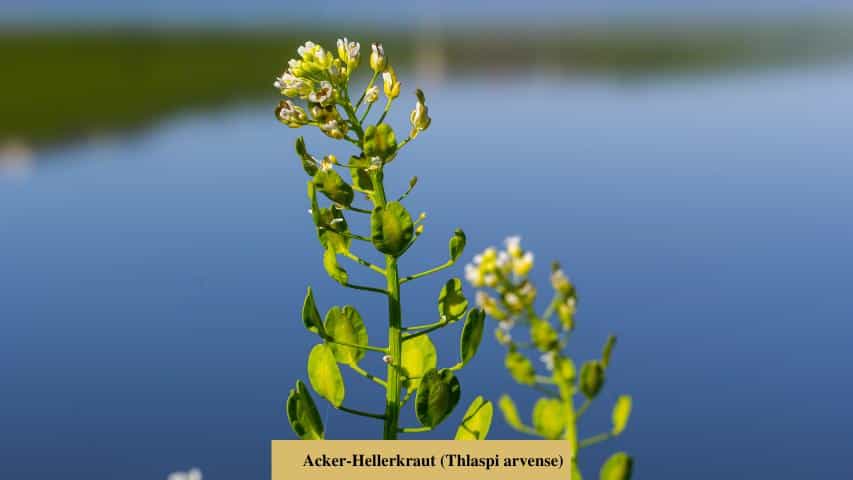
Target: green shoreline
63,85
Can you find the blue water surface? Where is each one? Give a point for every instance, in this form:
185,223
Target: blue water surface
150,285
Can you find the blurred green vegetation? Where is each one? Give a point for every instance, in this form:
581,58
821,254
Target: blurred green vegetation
60,85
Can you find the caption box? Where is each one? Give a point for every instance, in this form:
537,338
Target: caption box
420,459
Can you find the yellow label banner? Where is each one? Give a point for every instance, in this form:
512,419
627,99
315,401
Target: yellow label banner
420,459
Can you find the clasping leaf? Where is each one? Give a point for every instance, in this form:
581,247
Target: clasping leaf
437,395
325,375
303,415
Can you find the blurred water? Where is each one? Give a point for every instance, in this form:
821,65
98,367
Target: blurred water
151,285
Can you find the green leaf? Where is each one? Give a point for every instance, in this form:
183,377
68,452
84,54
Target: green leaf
310,315
477,420
472,334
510,413
380,141
391,228
457,244
303,415
550,417
451,301
333,186
325,375
437,395
360,176
592,378
419,356
608,351
543,335
521,368
345,325
564,376
330,263
617,467
308,162
621,414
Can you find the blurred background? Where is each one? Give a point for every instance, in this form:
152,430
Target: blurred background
687,162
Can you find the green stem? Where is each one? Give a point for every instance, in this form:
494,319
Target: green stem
364,373
422,327
385,112
441,324
414,429
584,407
370,84
361,413
364,262
601,437
366,111
439,268
366,289
395,324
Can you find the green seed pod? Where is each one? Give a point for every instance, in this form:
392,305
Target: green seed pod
325,375
333,186
564,376
451,301
477,420
380,141
608,350
549,418
472,335
360,176
617,467
419,356
308,162
310,315
592,378
621,414
510,412
330,263
543,335
520,368
457,244
345,325
303,415
391,228
437,396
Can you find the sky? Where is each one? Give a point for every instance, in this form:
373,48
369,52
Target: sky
248,12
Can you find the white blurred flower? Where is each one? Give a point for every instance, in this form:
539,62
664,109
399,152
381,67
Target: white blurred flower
193,474
513,245
323,94
371,94
548,360
523,265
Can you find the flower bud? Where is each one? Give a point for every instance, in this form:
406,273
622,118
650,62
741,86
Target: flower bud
387,359
390,84
419,118
371,94
378,60
334,129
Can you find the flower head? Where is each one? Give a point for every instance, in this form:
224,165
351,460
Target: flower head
334,129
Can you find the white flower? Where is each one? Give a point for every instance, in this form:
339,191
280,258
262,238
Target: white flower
323,94
472,274
548,359
491,280
513,301
522,266
306,49
291,114
378,61
334,129
478,259
506,325
348,51
371,94
193,474
513,245
387,359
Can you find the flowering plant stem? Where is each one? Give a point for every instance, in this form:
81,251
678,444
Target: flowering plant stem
324,83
